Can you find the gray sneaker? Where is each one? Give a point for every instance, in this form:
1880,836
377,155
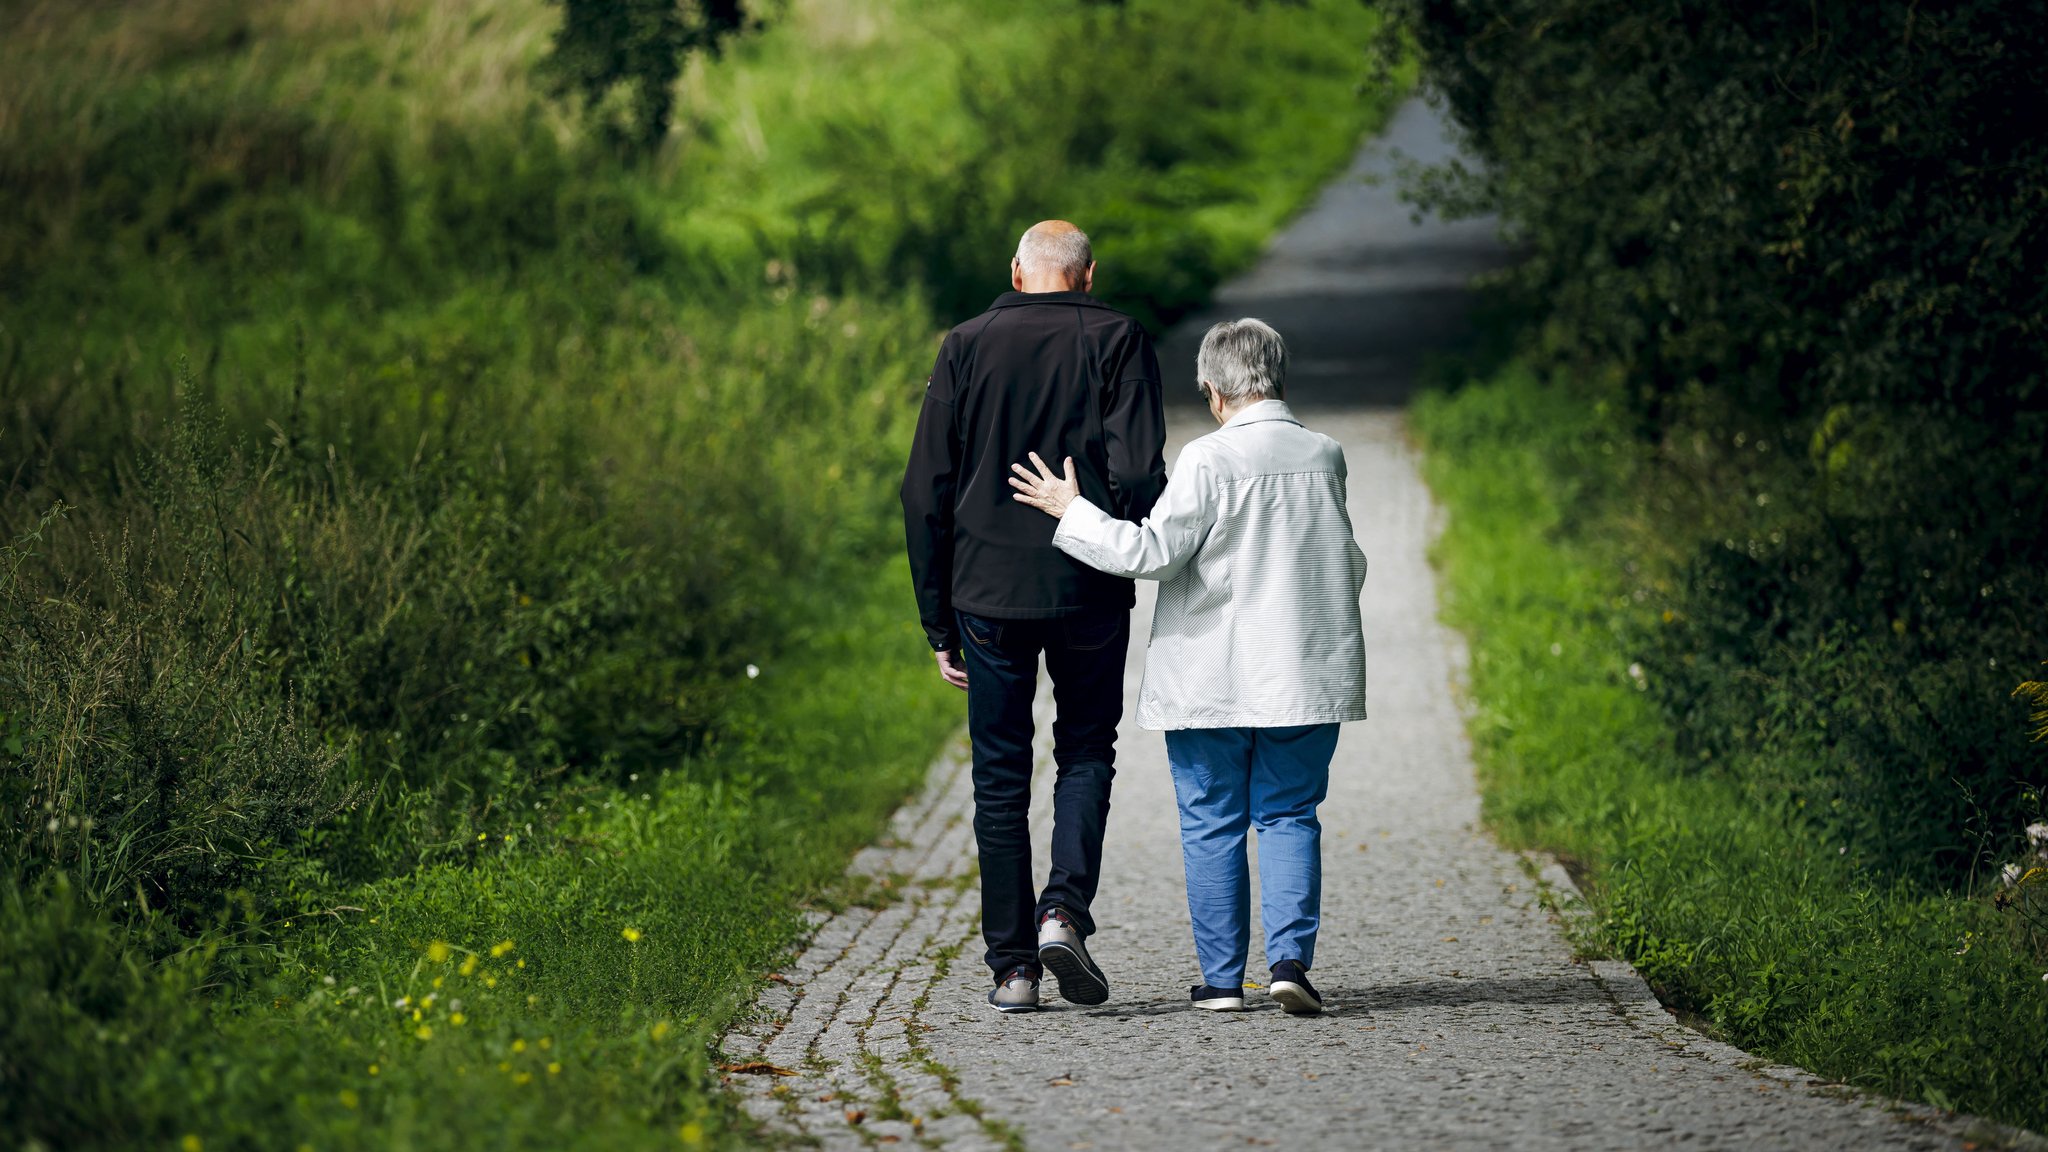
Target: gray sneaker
1017,991
1061,950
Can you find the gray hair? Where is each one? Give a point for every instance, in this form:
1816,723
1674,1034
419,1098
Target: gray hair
1243,360
1062,251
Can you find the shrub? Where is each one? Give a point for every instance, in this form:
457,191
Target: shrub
1801,238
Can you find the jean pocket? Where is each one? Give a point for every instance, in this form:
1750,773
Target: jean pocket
1089,631
982,632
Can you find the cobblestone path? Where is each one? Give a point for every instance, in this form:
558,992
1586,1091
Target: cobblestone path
1460,1018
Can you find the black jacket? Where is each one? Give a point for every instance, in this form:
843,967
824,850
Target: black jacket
1055,373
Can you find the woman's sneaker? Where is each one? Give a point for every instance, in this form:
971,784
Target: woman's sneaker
1017,991
1217,999
1060,949
1292,991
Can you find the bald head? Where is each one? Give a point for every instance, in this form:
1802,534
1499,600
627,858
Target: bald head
1053,256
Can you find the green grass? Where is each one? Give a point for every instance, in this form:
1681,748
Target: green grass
1705,876
398,490
574,1036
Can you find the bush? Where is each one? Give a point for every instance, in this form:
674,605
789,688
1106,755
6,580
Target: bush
1717,878
1800,237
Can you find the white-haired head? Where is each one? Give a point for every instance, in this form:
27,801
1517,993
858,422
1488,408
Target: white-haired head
1054,250
1242,361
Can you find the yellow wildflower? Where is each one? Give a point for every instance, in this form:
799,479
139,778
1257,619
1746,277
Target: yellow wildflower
490,981
457,1019
523,1078
424,1032
437,981
500,948
554,1067
190,1143
438,952
468,965
519,1045
691,1133
373,1069
521,964
546,1043
349,1099
632,935
659,1031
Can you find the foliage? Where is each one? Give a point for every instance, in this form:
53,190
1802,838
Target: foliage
423,526
538,1023
1802,236
639,45
1709,877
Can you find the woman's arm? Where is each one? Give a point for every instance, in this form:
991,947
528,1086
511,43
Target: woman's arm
1153,550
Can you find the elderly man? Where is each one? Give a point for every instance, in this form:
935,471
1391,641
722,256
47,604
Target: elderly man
1257,652
1048,368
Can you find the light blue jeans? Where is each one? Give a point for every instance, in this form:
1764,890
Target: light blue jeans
1228,779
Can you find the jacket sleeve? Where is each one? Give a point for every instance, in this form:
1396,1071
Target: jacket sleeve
1134,428
929,484
1159,547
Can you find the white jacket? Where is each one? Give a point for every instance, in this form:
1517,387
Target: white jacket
1257,624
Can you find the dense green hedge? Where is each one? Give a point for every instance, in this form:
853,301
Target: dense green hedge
1807,241
1754,556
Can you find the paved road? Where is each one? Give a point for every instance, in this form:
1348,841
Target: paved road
1460,1019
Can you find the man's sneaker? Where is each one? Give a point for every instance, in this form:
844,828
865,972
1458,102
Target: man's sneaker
1060,949
1217,999
1017,991
1293,992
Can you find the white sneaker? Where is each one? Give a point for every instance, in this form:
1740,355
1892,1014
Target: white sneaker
1016,992
1061,951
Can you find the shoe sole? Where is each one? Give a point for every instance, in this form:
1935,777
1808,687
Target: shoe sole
1221,1004
1079,984
1294,999
1014,1009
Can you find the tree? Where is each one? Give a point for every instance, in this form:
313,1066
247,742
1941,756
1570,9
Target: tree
622,57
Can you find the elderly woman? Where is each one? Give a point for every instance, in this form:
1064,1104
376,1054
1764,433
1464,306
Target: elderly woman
1256,654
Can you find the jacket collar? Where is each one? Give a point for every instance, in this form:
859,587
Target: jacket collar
1261,412
1017,299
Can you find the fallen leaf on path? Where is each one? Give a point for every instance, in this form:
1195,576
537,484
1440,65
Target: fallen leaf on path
757,1068
776,978
855,1115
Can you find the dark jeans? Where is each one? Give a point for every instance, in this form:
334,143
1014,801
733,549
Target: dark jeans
1085,655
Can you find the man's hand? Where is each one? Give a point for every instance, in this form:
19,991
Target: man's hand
952,668
1044,491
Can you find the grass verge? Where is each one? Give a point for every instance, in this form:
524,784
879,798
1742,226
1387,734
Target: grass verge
558,989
